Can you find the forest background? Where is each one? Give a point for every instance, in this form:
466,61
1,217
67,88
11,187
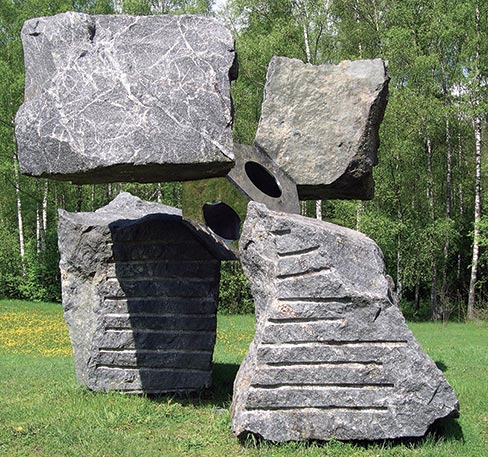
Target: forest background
427,215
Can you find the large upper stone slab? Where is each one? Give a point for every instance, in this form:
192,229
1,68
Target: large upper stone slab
140,287
126,98
332,356
320,124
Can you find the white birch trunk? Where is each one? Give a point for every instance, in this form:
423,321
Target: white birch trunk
435,315
306,39
461,198
20,224
470,314
448,207
44,216
318,209
477,217
38,230
159,193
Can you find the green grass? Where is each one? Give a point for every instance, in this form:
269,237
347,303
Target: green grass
43,411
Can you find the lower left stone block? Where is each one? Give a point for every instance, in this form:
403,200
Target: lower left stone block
140,286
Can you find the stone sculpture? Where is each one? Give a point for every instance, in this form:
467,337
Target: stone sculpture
332,356
140,286
123,98
320,124
126,98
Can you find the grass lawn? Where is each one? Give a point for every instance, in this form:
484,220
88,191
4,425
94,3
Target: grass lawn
43,411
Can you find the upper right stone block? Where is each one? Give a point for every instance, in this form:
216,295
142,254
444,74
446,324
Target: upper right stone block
320,124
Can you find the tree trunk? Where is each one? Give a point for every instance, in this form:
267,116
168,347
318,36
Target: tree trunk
399,280
470,315
306,39
318,209
444,291
436,313
417,296
38,224
159,193
20,224
460,196
44,216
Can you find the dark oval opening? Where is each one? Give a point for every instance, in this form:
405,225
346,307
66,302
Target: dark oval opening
222,220
263,179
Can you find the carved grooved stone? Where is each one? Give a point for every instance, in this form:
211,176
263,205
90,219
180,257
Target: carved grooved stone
332,356
320,124
126,98
140,286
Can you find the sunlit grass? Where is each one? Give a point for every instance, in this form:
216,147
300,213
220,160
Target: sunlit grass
33,329
44,412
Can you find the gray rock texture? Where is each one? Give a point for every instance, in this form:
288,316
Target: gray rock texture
261,180
126,98
139,287
320,124
332,356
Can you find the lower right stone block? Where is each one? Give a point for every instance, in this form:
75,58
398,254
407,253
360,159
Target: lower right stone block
332,356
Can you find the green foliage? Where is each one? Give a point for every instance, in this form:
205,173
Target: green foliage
10,268
234,296
41,279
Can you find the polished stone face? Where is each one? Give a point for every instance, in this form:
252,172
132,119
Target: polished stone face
320,124
261,180
126,98
332,356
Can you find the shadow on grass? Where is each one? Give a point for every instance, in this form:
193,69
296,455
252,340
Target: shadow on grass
441,365
219,394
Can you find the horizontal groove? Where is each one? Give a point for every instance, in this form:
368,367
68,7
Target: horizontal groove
161,315
323,386
338,409
161,261
160,297
166,352
346,300
163,242
159,392
160,278
298,251
163,370
166,332
385,343
345,364
303,320
303,274
152,351
281,232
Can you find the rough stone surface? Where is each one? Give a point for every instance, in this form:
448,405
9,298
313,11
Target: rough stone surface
332,356
320,124
126,98
256,186
140,286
